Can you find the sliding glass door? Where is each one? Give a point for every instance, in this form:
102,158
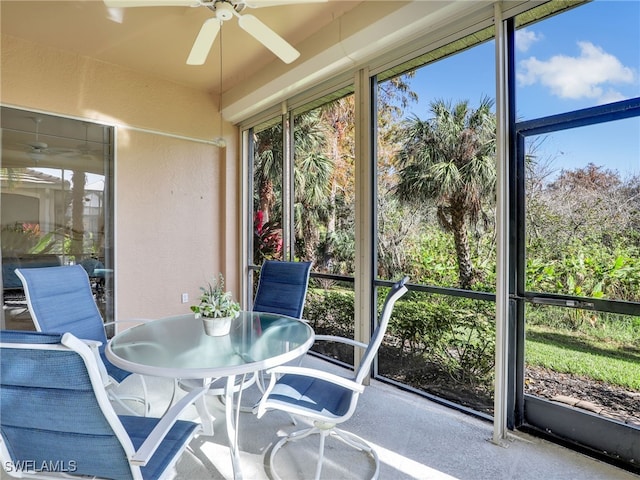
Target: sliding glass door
57,204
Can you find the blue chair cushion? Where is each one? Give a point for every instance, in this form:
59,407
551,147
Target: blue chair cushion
282,288
26,336
50,416
312,394
114,372
139,429
62,301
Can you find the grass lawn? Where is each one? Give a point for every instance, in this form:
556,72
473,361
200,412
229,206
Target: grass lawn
571,352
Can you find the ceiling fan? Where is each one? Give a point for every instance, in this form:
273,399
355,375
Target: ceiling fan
37,150
85,150
225,10
37,147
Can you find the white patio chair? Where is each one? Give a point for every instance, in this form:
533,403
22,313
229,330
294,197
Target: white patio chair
325,398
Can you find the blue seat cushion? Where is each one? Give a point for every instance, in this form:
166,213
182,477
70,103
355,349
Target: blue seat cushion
114,372
139,429
312,394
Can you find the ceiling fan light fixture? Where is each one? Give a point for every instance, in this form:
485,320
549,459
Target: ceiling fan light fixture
38,146
224,11
36,156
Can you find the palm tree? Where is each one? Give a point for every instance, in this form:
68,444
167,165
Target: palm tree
312,171
449,160
268,169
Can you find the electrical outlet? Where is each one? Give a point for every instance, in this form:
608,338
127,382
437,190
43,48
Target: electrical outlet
185,297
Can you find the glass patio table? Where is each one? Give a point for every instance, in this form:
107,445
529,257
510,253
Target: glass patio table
178,347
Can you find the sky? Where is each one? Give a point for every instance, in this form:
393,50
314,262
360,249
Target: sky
581,58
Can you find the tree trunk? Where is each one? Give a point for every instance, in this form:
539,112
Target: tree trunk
459,229
266,199
77,215
311,240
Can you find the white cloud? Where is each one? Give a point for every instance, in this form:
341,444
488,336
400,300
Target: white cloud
525,38
611,96
589,75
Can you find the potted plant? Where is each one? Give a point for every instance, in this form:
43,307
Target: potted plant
216,308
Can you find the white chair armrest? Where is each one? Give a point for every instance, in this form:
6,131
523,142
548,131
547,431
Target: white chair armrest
133,320
94,347
261,408
149,446
93,344
276,372
334,338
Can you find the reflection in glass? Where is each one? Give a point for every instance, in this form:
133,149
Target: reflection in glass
55,175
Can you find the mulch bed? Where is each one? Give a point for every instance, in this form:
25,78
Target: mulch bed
582,392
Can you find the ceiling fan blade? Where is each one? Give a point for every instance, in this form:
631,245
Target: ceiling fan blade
270,39
275,3
151,3
204,41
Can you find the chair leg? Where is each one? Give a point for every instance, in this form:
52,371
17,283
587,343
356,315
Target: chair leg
324,430
359,444
120,399
292,437
323,436
145,396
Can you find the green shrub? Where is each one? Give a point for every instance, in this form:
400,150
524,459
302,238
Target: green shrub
456,335
330,312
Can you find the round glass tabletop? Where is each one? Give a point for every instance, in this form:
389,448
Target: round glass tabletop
178,346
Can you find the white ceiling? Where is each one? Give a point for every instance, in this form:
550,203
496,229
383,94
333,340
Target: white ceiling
157,40
333,37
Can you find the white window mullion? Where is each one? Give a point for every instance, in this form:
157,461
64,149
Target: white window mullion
364,214
502,231
288,224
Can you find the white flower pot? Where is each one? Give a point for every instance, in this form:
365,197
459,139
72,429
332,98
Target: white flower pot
217,327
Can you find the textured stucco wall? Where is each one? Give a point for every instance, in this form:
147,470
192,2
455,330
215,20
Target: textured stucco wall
176,214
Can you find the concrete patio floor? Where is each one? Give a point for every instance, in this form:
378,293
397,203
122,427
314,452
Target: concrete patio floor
415,439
